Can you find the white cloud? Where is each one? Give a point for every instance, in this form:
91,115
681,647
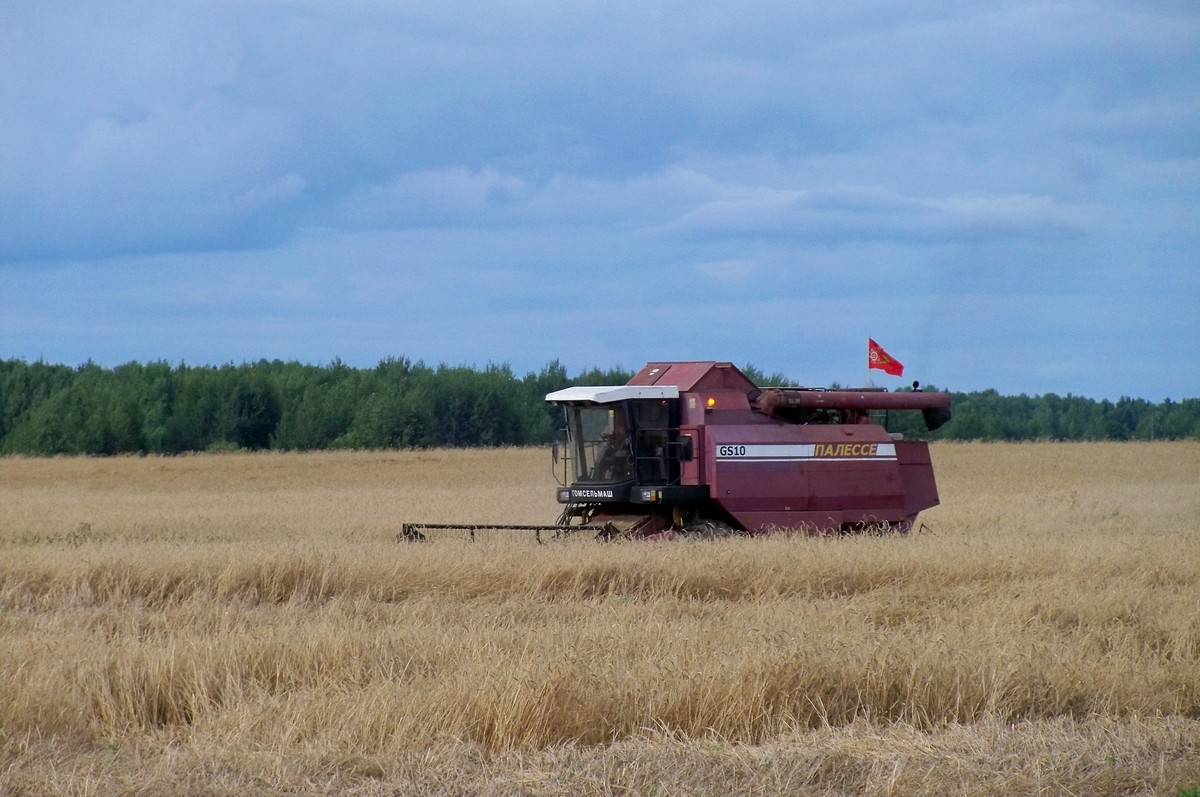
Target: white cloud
855,213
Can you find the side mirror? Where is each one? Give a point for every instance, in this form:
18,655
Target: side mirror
686,450
936,417
554,452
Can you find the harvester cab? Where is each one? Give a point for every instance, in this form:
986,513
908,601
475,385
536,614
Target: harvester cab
623,451
618,438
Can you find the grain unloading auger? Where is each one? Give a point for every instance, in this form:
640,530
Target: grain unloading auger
695,449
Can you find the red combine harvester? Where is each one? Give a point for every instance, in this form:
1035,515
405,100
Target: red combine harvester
696,449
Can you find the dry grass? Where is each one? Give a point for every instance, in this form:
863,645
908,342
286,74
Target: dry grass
233,624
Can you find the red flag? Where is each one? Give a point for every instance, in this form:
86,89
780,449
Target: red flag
878,358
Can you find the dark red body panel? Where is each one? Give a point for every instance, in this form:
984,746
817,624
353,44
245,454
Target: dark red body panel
815,477
696,375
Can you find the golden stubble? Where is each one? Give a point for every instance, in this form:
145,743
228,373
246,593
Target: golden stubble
258,603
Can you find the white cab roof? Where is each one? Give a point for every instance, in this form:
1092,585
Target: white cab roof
610,394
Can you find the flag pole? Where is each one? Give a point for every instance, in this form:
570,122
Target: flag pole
869,382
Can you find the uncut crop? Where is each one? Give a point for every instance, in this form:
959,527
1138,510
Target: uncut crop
255,611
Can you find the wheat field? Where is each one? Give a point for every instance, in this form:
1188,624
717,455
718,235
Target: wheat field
246,624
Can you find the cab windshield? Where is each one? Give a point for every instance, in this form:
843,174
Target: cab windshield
598,438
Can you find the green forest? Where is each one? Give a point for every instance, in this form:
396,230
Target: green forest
159,408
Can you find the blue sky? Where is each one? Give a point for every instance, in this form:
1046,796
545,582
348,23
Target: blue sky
1002,194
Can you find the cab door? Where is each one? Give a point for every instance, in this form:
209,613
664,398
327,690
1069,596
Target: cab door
656,431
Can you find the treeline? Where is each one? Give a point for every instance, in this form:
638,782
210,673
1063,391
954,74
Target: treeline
162,409
987,415
157,408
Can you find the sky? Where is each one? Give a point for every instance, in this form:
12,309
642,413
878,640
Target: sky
1004,194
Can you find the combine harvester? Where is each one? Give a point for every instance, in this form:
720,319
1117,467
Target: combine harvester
697,450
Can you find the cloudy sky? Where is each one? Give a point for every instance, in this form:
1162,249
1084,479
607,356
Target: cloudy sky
1003,194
